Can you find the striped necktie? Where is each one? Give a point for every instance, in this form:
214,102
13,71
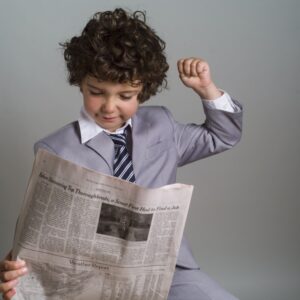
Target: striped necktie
123,167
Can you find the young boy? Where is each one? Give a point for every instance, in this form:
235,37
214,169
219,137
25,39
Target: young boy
118,62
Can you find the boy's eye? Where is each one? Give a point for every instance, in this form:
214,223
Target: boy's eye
96,93
125,97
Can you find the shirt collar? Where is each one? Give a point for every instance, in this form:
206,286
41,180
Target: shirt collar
89,128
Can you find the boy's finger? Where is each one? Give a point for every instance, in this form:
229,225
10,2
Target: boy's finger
9,294
187,66
12,275
194,67
201,67
180,66
7,286
183,66
9,265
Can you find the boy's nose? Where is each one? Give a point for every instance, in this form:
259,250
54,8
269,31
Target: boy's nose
108,106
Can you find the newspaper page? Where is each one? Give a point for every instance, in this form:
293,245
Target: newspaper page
86,235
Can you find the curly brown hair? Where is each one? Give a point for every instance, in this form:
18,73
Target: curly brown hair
120,47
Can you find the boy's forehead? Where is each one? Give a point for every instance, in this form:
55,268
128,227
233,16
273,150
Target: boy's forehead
95,82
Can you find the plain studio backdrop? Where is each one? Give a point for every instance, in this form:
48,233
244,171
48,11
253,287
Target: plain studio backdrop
244,221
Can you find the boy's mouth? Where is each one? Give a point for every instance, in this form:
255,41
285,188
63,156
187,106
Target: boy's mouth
109,119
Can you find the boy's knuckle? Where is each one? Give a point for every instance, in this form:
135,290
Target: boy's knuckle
6,265
5,276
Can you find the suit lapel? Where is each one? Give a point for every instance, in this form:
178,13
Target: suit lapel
104,146
140,131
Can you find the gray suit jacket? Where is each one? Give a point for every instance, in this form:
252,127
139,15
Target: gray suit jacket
159,146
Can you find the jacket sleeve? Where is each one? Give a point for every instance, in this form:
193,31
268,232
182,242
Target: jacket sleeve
220,131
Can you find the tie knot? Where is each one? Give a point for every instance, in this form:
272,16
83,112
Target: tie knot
118,139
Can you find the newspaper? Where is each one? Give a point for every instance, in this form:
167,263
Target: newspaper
86,235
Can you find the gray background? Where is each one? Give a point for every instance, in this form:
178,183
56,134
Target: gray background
244,220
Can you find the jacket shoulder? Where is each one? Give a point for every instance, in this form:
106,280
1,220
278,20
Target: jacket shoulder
67,136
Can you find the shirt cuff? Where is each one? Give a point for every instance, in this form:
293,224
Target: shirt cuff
224,103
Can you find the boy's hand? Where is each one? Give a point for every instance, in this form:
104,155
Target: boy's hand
195,74
10,271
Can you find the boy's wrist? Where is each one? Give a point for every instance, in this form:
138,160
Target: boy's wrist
211,92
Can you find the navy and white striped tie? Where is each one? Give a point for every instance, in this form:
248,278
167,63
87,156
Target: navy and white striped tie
123,167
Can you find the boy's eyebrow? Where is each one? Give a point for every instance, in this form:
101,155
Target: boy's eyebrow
129,91
135,90
92,86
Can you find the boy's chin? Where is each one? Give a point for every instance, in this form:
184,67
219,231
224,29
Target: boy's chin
111,127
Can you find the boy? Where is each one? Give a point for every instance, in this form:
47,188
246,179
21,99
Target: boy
118,62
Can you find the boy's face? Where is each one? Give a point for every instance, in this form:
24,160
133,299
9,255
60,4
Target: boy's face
110,104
